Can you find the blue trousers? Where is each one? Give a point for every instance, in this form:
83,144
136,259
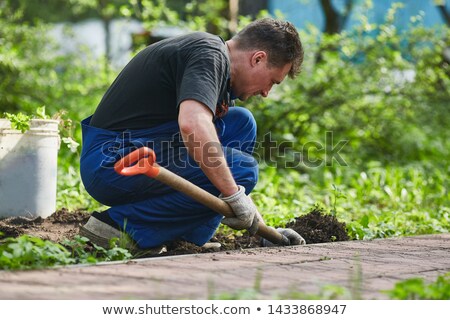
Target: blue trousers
150,212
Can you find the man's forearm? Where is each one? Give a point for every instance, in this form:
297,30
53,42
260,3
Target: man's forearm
208,154
201,140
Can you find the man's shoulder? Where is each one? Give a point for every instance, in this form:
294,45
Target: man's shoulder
200,38
205,35
185,45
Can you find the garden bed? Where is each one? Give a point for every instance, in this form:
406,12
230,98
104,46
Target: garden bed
315,227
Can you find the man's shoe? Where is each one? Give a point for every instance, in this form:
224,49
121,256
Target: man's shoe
214,246
100,229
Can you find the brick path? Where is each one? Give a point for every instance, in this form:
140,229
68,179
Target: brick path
378,265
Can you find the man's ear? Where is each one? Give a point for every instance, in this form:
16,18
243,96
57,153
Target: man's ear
258,57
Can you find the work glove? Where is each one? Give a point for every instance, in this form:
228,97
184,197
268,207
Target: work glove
294,238
244,209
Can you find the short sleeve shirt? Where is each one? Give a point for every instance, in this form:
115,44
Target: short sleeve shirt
150,88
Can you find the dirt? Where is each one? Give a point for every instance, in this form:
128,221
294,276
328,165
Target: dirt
62,224
315,227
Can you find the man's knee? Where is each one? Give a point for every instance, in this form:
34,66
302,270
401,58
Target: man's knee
244,168
244,117
249,180
239,130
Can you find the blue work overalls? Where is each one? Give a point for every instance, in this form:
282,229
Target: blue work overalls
150,212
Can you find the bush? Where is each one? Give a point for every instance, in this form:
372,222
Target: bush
383,91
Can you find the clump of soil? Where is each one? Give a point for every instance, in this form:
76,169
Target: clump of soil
227,242
318,227
63,224
314,227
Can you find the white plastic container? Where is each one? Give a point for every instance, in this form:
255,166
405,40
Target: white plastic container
28,169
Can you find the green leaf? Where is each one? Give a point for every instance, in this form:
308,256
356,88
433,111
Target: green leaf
40,113
365,221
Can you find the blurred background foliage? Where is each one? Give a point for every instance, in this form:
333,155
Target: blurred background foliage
386,92
383,93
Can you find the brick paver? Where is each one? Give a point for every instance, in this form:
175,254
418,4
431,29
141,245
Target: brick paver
365,268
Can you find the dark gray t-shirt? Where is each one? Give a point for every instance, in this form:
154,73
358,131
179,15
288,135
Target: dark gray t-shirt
152,85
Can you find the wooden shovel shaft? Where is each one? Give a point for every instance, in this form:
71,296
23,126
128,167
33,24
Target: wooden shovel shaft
218,205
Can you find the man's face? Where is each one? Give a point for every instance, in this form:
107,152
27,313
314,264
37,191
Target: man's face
259,78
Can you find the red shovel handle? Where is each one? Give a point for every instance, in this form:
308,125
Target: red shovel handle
144,159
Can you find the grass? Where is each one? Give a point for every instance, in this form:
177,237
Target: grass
418,289
377,202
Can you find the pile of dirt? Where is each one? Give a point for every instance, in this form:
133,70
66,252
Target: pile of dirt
318,227
315,227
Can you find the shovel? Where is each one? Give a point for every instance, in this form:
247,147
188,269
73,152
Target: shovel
144,159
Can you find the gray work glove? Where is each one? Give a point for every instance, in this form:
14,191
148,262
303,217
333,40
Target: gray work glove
244,210
294,238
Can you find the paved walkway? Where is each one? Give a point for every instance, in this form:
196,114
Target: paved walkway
363,267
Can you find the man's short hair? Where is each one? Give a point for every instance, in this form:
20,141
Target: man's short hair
279,39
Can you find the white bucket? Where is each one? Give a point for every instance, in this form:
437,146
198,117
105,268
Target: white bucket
28,169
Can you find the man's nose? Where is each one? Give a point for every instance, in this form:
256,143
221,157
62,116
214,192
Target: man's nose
265,92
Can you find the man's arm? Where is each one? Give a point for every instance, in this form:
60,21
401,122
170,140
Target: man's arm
200,138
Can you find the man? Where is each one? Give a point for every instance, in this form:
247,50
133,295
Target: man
174,97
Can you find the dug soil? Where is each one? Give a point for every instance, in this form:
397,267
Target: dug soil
315,227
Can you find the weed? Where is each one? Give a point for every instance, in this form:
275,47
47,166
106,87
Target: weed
82,252
417,289
19,121
27,252
337,194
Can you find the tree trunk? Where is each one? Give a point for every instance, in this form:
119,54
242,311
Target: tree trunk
107,27
252,7
331,17
444,13
106,20
234,13
334,20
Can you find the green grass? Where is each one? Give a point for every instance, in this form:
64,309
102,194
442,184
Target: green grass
418,289
71,193
377,202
